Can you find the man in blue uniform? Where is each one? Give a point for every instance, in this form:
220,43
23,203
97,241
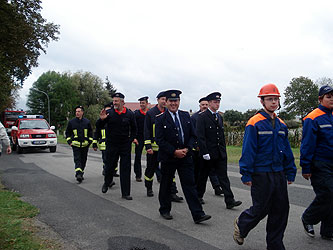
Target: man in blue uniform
79,137
267,165
212,148
175,137
317,164
197,159
140,115
152,147
120,131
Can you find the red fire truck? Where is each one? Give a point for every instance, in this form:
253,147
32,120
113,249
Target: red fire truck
8,118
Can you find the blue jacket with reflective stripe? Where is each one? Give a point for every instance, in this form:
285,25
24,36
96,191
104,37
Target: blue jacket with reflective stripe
317,139
266,149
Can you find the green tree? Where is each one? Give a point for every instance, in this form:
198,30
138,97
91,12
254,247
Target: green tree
301,96
24,34
249,113
109,86
233,117
62,100
66,91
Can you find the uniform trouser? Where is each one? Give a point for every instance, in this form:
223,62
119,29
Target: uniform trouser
184,168
269,197
220,167
321,208
104,161
80,159
152,165
113,152
137,161
198,164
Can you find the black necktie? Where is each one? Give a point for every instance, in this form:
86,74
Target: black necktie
177,123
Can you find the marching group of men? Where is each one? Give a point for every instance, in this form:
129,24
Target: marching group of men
195,147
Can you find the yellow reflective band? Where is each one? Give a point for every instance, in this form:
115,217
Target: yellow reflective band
90,138
103,133
94,141
79,169
68,138
174,179
149,179
154,146
154,130
116,169
147,141
75,133
85,133
102,146
76,144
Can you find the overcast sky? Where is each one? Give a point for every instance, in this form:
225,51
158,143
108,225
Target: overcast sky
198,47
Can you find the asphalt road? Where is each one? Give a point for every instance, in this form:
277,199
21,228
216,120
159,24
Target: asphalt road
89,219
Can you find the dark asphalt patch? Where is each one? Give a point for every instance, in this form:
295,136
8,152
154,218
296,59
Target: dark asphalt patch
134,243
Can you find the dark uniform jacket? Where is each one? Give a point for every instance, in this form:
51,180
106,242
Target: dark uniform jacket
149,128
167,135
140,122
120,128
100,136
210,134
194,119
79,132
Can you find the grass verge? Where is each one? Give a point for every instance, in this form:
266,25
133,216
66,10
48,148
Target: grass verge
17,230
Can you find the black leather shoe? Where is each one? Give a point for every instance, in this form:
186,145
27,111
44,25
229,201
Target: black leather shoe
167,216
116,175
201,201
233,204
79,178
202,218
127,197
218,191
138,179
176,198
150,193
104,188
309,231
112,184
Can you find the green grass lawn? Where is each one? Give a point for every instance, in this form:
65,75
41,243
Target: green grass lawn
16,227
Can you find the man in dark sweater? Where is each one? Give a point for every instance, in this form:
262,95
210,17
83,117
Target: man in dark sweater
120,130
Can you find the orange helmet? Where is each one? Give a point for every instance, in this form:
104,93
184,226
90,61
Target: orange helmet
269,89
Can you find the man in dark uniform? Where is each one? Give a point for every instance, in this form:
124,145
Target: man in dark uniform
99,141
120,131
79,137
212,148
152,147
175,137
197,159
140,115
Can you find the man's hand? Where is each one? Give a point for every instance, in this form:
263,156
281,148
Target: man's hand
103,114
9,150
206,157
306,176
135,141
150,151
180,153
95,149
248,183
290,182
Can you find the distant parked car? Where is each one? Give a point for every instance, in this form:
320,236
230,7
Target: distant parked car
32,131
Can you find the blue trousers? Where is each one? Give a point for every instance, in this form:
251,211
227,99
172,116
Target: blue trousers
269,198
321,208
